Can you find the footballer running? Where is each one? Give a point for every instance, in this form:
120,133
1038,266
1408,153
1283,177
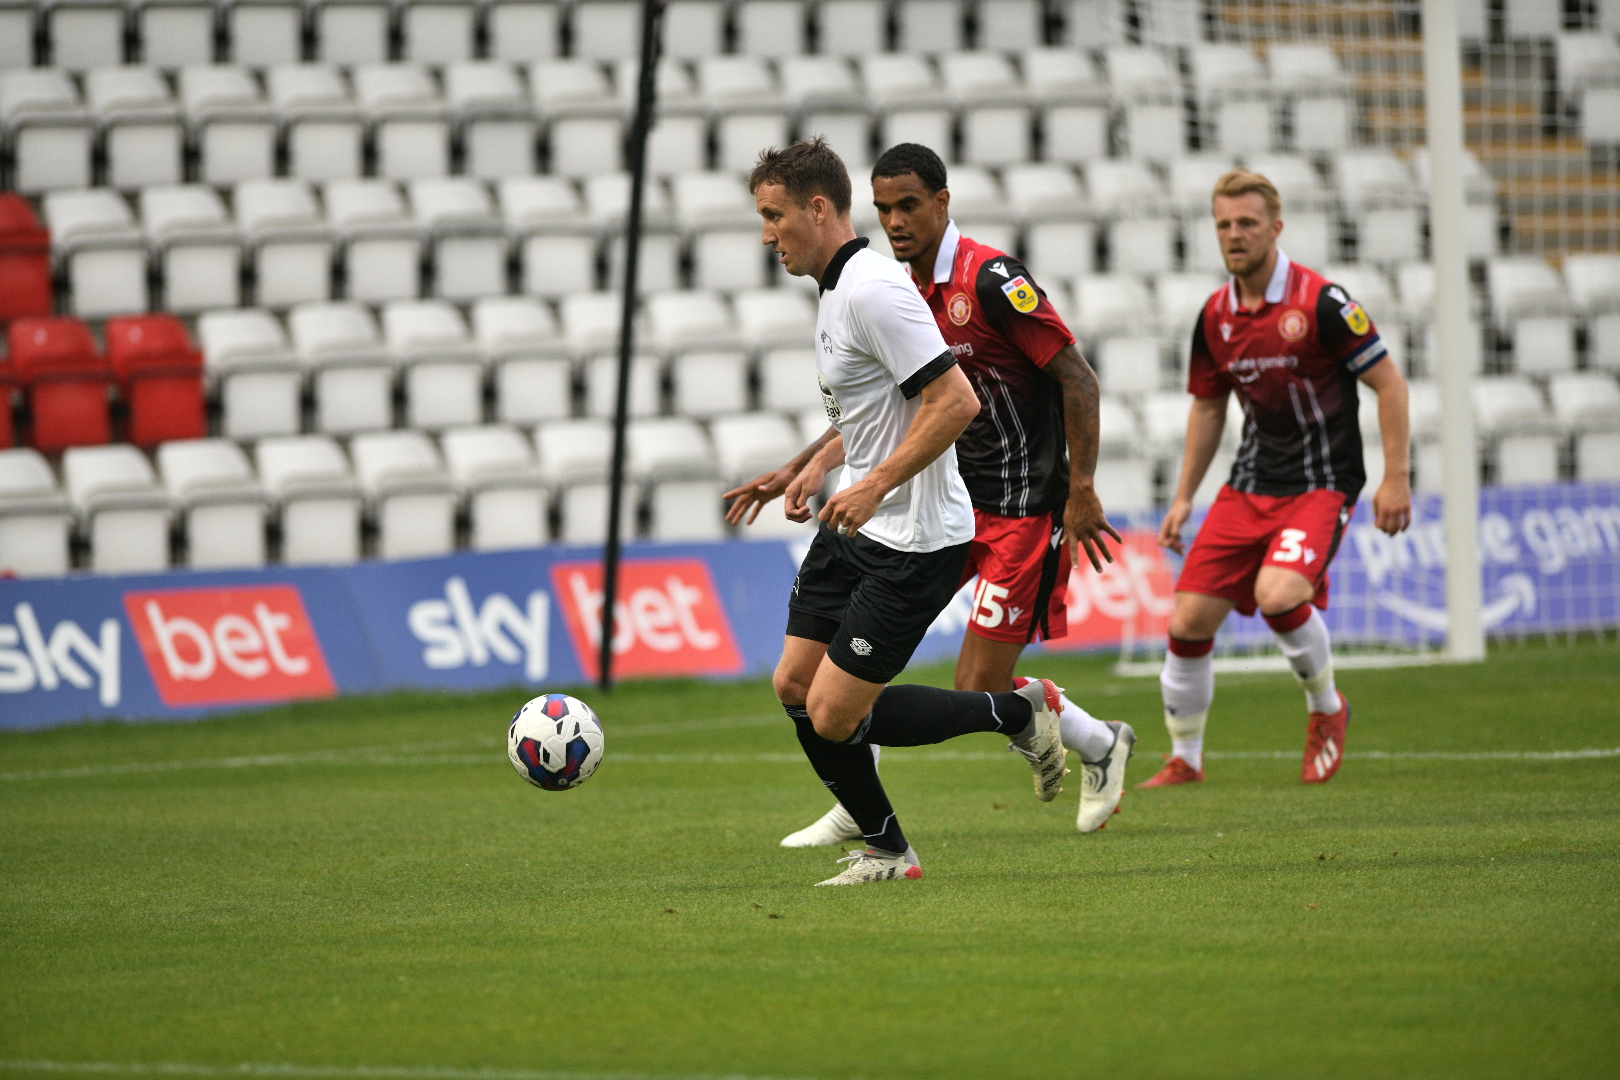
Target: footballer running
894,539
1293,346
1033,499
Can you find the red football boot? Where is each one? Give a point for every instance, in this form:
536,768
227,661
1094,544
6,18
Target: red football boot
1324,744
1175,771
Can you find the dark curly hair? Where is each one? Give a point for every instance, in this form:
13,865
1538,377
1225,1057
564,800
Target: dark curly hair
910,157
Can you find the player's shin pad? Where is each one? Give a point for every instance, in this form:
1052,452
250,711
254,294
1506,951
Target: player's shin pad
1186,728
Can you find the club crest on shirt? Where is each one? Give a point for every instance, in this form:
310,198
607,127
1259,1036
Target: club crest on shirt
960,309
1022,294
1355,318
1292,324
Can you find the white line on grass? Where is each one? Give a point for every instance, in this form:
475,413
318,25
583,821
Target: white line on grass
346,1072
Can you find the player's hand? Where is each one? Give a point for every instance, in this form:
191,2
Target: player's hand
1170,531
801,488
1392,505
853,507
1084,524
749,499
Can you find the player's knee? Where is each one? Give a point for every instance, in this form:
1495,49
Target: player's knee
1276,594
829,722
792,689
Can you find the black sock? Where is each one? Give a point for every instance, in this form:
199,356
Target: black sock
912,715
851,775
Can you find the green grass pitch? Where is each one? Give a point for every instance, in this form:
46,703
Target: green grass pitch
362,888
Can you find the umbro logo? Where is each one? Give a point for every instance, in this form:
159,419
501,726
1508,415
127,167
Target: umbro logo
860,646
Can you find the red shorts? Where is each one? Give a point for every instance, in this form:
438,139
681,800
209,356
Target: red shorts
1241,533
1023,571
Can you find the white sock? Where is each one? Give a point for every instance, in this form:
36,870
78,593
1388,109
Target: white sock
1188,684
1310,653
1084,733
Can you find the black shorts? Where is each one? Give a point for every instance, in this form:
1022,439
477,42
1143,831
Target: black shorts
870,603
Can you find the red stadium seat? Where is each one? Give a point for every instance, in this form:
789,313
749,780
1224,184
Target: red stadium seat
159,373
25,261
66,380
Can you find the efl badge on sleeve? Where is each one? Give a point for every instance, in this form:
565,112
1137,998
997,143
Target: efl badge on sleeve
1355,318
1292,324
960,309
1022,294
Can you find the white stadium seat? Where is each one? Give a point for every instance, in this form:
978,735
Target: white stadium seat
85,35
730,259
16,37
740,136
196,247
443,370
317,500
1311,238
466,239
1298,183
555,266
1111,303
1143,245
122,510
437,31
574,456
1164,419
232,125
848,132
1366,285
249,359
1192,181
602,381
1597,456
1181,298
1118,431
1124,484
607,201
571,87
1124,187
494,118
1593,281
47,129
689,319
893,79
1527,459
353,376
524,30
1544,344
820,82
290,246
533,380
853,27
1585,399
35,517
707,384
493,469
350,31
583,145
591,320
771,28
787,381
94,235
382,248
173,33
412,501
1524,285
712,200
1045,192
221,505
929,26
694,28
1508,405
323,124
140,125
410,125
1130,365
930,126
607,29
768,317
1062,250
263,33
534,203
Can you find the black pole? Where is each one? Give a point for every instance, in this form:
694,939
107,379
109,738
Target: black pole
652,19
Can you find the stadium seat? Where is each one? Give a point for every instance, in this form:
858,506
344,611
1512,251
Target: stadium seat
493,118
232,126
35,517
17,36
519,337
694,28
264,33
443,370
1111,304
121,509
258,379
675,88
1202,246
1603,342
288,242
572,87
1130,365
583,509
1234,98
140,125
524,30
813,424
749,445
739,137
1312,78
467,243
1124,187
1585,59
494,473
411,498
220,503
1593,281
323,124
1219,470
1527,459
930,26
933,127
555,266
771,28
575,456
410,125
1076,133
1118,431
997,135
1142,73
1142,245
1508,405
382,250
66,381
1597,456
896,79
1297,181
173,33
1310,238
675,459
160,378
787,382
607,29
1124,484
317,500
1367,285
1544,345
689,319
1164,420
583,145
84,35
1181,298
534,203
852,27
47,130
1062,250
195,245
1060,74
1524,285
607,201
711,200
350,31
1370,177
25,261
1045,192
1154,131
1585,399
353,376
1192,181
848,132
772,317
819,82
442,32
657,270
591,321
602,381
709,384
730,259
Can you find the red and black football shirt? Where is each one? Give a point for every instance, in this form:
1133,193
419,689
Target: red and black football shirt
1294,363
1003,331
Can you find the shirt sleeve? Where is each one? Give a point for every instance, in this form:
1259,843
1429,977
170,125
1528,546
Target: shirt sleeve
1020,309
897,328
1203,374
1346,331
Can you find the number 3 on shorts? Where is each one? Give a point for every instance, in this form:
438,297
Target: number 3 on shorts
1288,546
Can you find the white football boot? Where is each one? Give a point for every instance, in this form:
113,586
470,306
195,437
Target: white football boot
833,827
1042,743
868,865
1103,782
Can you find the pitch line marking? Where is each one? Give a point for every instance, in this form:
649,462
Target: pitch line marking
390,756
343,1072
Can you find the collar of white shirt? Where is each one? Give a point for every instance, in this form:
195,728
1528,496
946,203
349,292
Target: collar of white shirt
1275,288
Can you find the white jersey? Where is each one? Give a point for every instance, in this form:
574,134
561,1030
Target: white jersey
877,347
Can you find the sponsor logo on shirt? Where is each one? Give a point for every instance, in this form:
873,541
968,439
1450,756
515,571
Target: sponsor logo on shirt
964,349
1292,324
1023,295
835,411
960,309
1355,318
1249,368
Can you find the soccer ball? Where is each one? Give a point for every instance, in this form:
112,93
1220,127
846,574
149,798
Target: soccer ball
555,742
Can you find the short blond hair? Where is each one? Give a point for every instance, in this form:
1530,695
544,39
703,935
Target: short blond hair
1243,182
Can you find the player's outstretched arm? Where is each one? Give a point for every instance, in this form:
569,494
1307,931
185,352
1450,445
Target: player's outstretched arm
1205,424
1392,502
948,406
811,478
747,500
1083,520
